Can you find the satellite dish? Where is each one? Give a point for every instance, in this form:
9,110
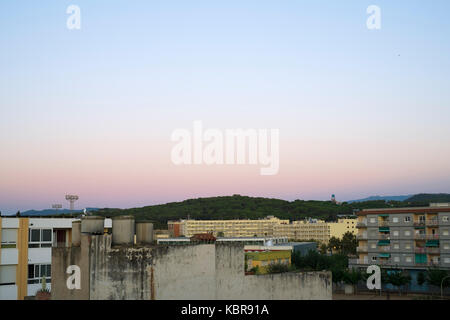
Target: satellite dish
269,243
84,210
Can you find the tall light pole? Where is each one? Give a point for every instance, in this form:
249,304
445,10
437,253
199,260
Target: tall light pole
71,198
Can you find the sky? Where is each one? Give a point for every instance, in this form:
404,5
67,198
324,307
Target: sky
91,111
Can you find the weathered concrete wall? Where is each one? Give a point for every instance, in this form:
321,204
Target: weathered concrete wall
61,259
119,272
204,271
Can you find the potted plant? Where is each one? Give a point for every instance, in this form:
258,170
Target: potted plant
44,292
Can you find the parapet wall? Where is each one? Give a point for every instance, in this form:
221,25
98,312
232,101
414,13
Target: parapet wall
204,271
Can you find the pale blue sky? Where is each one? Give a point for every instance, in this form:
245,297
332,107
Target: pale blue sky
137,70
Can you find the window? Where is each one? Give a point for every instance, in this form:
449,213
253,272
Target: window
37,271
407,233
396,259
408,219
396,246
408,259
445,219
446,246
9,238
395,233
395,219
374,258
407,246
40,238
372,220
445,232
7,274
447,260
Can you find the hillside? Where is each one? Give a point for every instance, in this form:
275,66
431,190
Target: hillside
429,197
243,207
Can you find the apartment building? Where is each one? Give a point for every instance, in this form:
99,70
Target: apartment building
225,228
410,238
25,252
317,230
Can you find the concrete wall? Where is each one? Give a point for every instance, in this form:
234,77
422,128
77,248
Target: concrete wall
62,258
206,271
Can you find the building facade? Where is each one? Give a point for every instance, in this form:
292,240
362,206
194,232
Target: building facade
26,252
314,229
408,238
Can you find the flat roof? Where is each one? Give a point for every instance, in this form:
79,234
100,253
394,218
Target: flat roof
404,210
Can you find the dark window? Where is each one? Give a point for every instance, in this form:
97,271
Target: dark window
30,271
46,235
35,235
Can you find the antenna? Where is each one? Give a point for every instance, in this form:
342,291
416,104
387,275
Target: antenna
71,199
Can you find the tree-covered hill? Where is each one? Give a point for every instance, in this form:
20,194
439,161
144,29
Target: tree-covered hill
243,207
429,197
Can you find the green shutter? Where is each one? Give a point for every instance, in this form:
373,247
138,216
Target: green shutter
383,229
384,255
432,243
384,242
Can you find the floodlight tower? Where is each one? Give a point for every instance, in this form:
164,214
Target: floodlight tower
71,198
56,206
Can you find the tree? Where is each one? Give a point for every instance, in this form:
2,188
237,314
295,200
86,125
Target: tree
349,244
334,244
399,279
277,268
421,278
323,248
352,277
18,214
435,277
220,234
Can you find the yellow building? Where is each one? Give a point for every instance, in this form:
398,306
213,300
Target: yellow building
227,228
262,260
314,229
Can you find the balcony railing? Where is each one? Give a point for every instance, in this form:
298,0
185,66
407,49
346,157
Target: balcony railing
361,249
432,236
432,222
419,223
383,223
420,236
361,224
384,236
361,236
433,250
419,250
384,249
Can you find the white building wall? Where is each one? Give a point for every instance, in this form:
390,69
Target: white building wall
8,292
9,256
39,255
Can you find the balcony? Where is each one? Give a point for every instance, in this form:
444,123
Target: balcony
433,263
361,249
361,236
419,250
419,223
384,236
432,222
384,249
383,262
361,224
420,236
383,223
432,237
433,250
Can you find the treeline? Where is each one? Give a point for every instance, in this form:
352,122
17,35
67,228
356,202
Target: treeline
243,207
